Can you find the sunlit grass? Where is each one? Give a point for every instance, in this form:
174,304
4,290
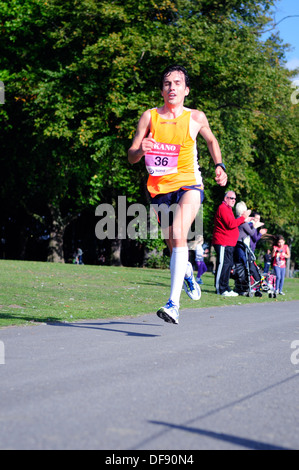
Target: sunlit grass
48,292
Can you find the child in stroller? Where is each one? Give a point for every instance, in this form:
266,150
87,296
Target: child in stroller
246,273
248,280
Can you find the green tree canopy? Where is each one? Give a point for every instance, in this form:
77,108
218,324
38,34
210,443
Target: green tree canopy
78,75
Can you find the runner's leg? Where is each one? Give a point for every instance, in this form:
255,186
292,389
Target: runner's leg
185,214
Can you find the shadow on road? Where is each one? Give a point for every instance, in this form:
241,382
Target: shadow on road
243,442
107,327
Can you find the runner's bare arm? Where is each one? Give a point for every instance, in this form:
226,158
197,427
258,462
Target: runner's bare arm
143,141
205,131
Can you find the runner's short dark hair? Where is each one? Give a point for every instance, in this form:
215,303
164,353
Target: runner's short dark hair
175,68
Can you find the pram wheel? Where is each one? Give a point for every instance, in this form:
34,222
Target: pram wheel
258,294
270,295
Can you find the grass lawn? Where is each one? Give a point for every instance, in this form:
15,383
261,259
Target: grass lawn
48,292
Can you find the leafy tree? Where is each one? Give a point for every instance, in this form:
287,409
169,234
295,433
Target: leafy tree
79,74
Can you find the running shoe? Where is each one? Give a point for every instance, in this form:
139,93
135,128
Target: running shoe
191,288
169,313
230,293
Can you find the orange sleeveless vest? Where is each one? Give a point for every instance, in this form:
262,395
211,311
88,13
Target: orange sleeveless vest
172,163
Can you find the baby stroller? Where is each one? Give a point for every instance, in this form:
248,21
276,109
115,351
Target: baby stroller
248,280
269,284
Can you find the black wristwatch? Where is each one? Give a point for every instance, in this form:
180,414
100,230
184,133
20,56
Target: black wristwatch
222,166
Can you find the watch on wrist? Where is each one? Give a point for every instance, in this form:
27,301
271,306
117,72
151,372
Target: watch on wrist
222,166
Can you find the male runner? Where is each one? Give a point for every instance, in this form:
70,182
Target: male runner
166,136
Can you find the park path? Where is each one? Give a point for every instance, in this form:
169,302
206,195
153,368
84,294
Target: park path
224,378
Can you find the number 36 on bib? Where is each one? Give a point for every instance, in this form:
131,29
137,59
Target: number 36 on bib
162,159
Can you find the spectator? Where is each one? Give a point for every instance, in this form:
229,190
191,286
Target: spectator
267,261
79,256
257,235
225,237
199,259
244,257
280,252
246,229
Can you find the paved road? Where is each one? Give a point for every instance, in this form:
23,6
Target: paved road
224,378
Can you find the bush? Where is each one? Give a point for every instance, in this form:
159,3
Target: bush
158,261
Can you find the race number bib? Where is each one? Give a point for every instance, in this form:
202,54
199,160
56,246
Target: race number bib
162,159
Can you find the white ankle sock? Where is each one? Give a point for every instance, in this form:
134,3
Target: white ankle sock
178,267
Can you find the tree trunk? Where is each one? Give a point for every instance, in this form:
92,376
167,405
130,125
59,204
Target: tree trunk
55,249
116,252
